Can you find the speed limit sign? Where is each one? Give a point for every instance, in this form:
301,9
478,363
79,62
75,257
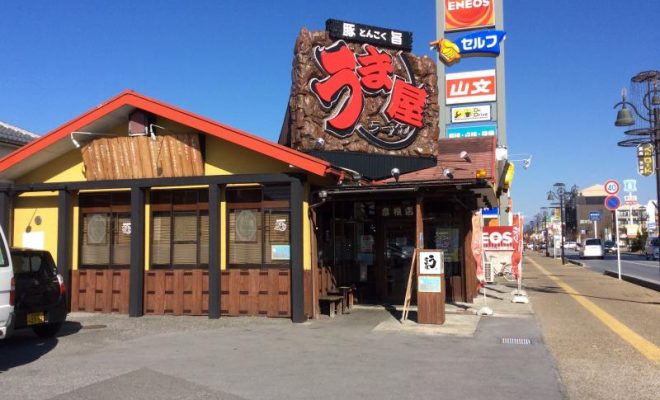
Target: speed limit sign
612,187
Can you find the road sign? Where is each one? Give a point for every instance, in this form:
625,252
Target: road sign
594,216
612,202
612,187
630,200
630,185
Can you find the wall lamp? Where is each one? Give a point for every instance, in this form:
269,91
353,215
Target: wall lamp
448,173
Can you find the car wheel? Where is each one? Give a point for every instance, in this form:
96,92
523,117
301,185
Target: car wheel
602,257
47,330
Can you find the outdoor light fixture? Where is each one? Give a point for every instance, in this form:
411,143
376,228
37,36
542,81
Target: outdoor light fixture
77,143
323,194
395,174
152,134
448,173
481,173
319,144
465,156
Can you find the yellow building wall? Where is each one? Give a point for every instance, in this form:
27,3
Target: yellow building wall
67,168
307,234
224,158
26,232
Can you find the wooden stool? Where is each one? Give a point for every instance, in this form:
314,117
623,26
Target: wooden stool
332,303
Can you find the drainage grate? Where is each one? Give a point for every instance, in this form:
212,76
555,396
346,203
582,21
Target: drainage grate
94,326
509,340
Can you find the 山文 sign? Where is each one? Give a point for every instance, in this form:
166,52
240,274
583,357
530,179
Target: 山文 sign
469,14
471,87
472,131
470,114
498,238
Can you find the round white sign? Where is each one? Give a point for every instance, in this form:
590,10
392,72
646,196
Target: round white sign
612,187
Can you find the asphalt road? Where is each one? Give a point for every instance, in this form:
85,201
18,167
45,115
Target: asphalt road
178,358
631,264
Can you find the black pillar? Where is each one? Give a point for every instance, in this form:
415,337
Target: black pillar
296,240
5,214
136,291
214,251
64,235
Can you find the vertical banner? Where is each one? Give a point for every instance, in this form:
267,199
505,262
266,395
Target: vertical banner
477,247
516,257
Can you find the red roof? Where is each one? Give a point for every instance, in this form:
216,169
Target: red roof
481,153
130,98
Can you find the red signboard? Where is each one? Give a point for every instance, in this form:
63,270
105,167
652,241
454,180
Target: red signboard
468,14
498,238
471,87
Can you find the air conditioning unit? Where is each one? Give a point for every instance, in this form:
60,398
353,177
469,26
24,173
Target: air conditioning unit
489,273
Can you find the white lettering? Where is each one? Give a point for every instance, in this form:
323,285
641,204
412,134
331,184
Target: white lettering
467,4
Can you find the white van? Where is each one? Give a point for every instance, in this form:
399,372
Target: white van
7,288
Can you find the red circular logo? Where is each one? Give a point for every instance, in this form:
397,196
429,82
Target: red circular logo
463,14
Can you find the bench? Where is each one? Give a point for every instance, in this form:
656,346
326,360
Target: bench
333,304
347,293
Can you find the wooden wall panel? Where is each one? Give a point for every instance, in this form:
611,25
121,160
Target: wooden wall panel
103,291
141,157
176,292
256,292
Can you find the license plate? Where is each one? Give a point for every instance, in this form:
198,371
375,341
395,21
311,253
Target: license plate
35,318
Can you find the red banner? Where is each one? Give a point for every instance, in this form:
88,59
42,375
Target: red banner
516,258
498,238
477,247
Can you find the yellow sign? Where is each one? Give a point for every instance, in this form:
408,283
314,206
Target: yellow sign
645,165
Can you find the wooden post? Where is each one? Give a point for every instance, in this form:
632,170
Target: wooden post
430,304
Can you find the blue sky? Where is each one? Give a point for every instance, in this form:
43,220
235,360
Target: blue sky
566,62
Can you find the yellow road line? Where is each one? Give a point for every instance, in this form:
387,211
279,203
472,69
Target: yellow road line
648,349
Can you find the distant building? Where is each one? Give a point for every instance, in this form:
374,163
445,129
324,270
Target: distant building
592,200
13,137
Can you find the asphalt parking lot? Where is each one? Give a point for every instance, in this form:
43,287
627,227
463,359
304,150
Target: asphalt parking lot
356,356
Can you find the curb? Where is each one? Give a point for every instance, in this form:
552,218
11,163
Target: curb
576,263
633,279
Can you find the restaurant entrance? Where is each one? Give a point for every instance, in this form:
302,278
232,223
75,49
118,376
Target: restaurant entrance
368,246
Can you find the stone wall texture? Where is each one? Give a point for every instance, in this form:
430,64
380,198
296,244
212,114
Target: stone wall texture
306,115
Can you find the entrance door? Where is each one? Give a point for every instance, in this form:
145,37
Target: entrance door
399,249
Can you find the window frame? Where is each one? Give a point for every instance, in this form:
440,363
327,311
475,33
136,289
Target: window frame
264,207
199,208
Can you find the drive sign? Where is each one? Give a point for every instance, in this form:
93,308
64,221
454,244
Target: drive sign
612,187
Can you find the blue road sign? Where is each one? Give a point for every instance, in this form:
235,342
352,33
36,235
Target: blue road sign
612,202
594,216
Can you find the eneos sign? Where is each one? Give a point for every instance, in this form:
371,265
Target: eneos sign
468,14
498,237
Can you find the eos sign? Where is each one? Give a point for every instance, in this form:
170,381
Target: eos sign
468,14
498,238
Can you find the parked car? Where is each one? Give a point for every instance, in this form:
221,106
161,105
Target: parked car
6,288
592,248
651,249
570,245
609,246
41,302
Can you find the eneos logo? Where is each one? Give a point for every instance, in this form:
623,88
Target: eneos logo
498,237
468,14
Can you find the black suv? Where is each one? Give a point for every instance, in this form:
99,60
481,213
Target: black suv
40,293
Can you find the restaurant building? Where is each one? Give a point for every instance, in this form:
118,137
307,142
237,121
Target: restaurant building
151,209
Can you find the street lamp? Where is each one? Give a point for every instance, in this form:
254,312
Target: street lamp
647,81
